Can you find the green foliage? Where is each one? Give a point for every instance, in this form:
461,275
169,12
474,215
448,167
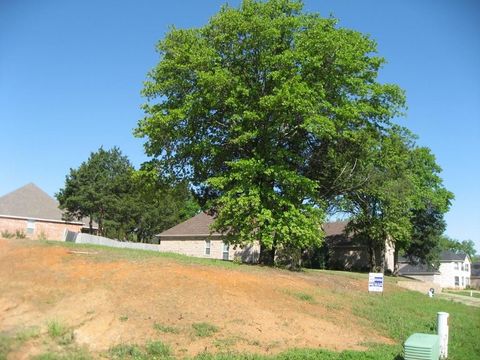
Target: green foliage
56,328
204,329
465,246
96,189
126,204
403,200
265,110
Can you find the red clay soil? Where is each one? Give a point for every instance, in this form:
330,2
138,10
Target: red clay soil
111,300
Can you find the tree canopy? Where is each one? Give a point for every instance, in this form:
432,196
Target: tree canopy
272,114
125,203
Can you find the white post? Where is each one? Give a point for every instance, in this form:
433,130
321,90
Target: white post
442,329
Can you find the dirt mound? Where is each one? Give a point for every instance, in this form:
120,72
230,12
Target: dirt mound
109,301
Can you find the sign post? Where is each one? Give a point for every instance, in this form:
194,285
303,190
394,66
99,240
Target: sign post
375,282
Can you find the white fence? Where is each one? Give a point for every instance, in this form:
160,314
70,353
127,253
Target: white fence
81,238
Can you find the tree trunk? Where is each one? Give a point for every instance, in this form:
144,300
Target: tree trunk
372,258
267,256
382,259
395,261
90,225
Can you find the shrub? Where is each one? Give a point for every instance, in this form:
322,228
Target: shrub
20,234
7,234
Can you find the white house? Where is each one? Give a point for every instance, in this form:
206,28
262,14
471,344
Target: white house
454,270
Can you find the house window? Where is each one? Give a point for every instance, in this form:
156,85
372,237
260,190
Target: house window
456,266
463,267
463,283
467,281
30,226
457,281
466,267
207,247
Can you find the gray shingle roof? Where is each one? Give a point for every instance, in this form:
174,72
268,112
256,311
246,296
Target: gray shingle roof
199,225
418,269
449,255
30,202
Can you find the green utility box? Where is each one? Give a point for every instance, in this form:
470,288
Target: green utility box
422,347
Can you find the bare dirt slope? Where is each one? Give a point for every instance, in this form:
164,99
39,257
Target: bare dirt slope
107,299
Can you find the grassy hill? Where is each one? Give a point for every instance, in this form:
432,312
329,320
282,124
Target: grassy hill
67,301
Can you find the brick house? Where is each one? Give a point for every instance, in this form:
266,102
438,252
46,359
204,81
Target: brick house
31,211
343,252
193,237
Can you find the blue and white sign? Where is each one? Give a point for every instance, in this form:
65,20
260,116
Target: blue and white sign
375,282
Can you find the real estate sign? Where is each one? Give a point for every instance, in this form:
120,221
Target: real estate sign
375,282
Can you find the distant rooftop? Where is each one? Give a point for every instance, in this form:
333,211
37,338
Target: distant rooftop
199,225
30,202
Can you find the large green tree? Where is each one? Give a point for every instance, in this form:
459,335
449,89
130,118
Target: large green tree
402,202
127,204
97,188
266,110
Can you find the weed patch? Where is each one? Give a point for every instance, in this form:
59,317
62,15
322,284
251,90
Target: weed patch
55,328
204,329
165,328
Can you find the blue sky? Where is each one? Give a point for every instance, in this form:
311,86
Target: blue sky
71,74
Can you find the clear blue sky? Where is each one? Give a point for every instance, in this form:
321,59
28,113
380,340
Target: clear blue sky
71,74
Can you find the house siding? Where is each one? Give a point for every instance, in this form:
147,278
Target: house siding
344,257
43,228
196,248
446,278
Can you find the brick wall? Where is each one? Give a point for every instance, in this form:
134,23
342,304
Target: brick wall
197,248
48,230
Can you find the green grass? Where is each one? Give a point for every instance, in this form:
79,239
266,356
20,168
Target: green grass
304,297
475,294
403,313
56,328
27,334
6,344
153,350
112,254
68,354
165,328
376,353
204,329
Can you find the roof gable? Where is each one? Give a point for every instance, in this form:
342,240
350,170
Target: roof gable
195,226
30,201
